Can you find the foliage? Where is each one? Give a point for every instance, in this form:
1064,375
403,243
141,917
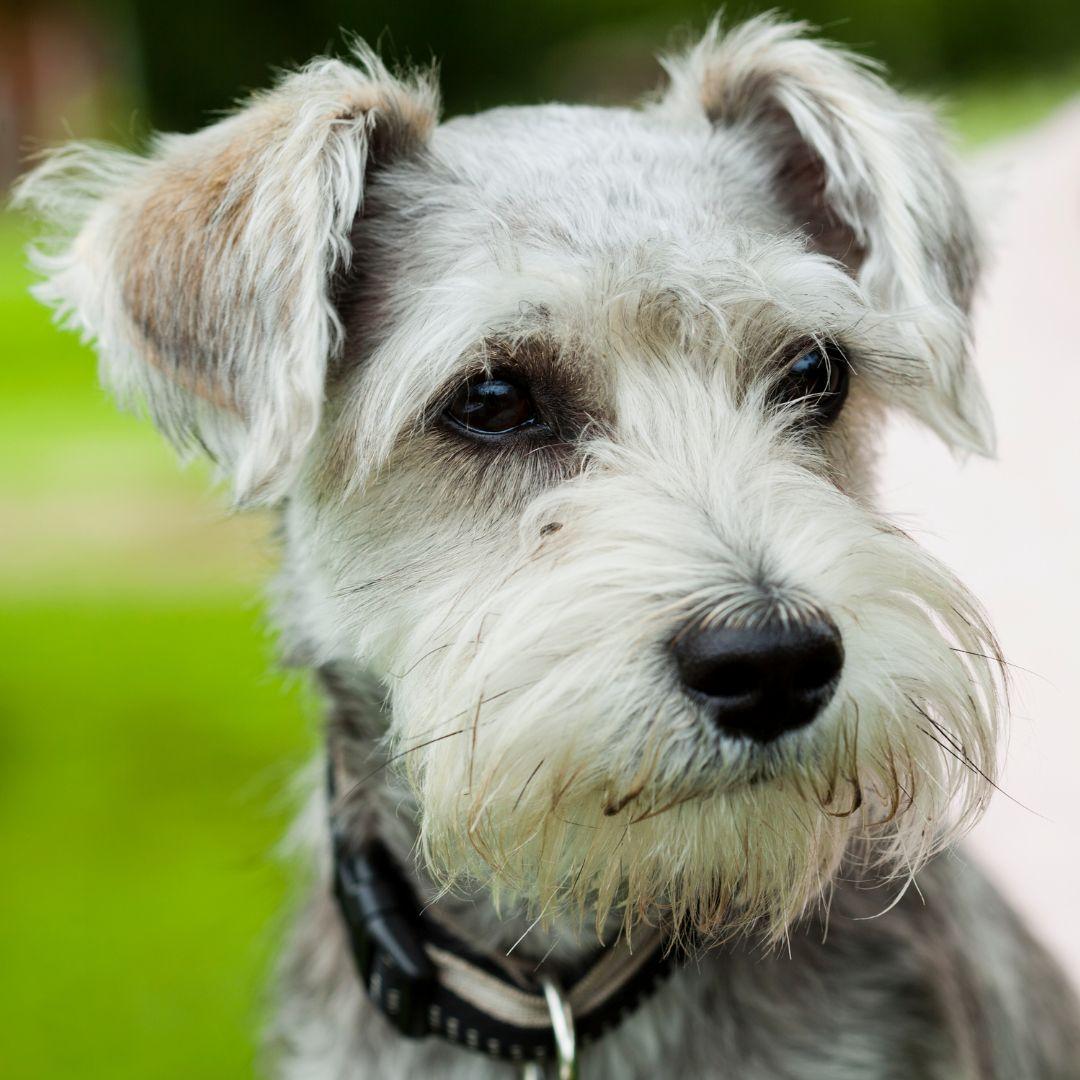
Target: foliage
196,55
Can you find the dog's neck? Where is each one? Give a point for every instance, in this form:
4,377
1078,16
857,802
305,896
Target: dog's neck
373,803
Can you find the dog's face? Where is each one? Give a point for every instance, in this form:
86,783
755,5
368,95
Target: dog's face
574,413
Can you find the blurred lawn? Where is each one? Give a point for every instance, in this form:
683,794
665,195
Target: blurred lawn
145,750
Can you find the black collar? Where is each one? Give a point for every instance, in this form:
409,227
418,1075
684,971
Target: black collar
427,981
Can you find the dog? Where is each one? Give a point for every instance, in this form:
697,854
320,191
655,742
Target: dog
649,738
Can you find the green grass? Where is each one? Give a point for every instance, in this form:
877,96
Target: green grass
145,746
144,756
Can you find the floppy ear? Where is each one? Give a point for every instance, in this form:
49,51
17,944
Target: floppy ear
203,271
866,175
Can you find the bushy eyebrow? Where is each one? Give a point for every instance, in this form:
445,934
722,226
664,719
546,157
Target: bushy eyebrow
521,355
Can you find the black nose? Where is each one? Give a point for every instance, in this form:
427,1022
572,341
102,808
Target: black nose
765,679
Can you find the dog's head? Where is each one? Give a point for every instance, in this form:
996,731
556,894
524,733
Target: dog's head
572,412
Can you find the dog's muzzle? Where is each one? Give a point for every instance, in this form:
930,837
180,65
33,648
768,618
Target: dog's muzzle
763,679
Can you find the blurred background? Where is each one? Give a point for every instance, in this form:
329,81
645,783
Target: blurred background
146,743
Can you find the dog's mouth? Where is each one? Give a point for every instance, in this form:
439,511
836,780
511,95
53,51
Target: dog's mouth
756,775
764,772
720,768
749,763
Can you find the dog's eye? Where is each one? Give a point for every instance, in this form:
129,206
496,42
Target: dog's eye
492,405
817,381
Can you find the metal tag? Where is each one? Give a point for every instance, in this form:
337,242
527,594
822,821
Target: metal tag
562,1023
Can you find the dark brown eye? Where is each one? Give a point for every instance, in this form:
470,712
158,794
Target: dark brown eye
816,382
492,405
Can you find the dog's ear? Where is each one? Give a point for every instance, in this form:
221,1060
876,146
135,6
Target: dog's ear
204,271
866,175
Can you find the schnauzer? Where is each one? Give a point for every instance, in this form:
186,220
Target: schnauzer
639,712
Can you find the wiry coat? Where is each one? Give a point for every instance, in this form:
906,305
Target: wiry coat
300,289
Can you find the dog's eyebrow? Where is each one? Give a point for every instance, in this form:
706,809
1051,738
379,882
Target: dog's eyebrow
536,355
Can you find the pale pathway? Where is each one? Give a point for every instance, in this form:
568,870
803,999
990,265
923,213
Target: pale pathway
1011,528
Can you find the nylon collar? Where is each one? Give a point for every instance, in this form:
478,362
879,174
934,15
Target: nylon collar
426,980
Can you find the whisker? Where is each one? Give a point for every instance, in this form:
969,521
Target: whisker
521,793
664,809
1000,660
969,764
416,663
346,795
